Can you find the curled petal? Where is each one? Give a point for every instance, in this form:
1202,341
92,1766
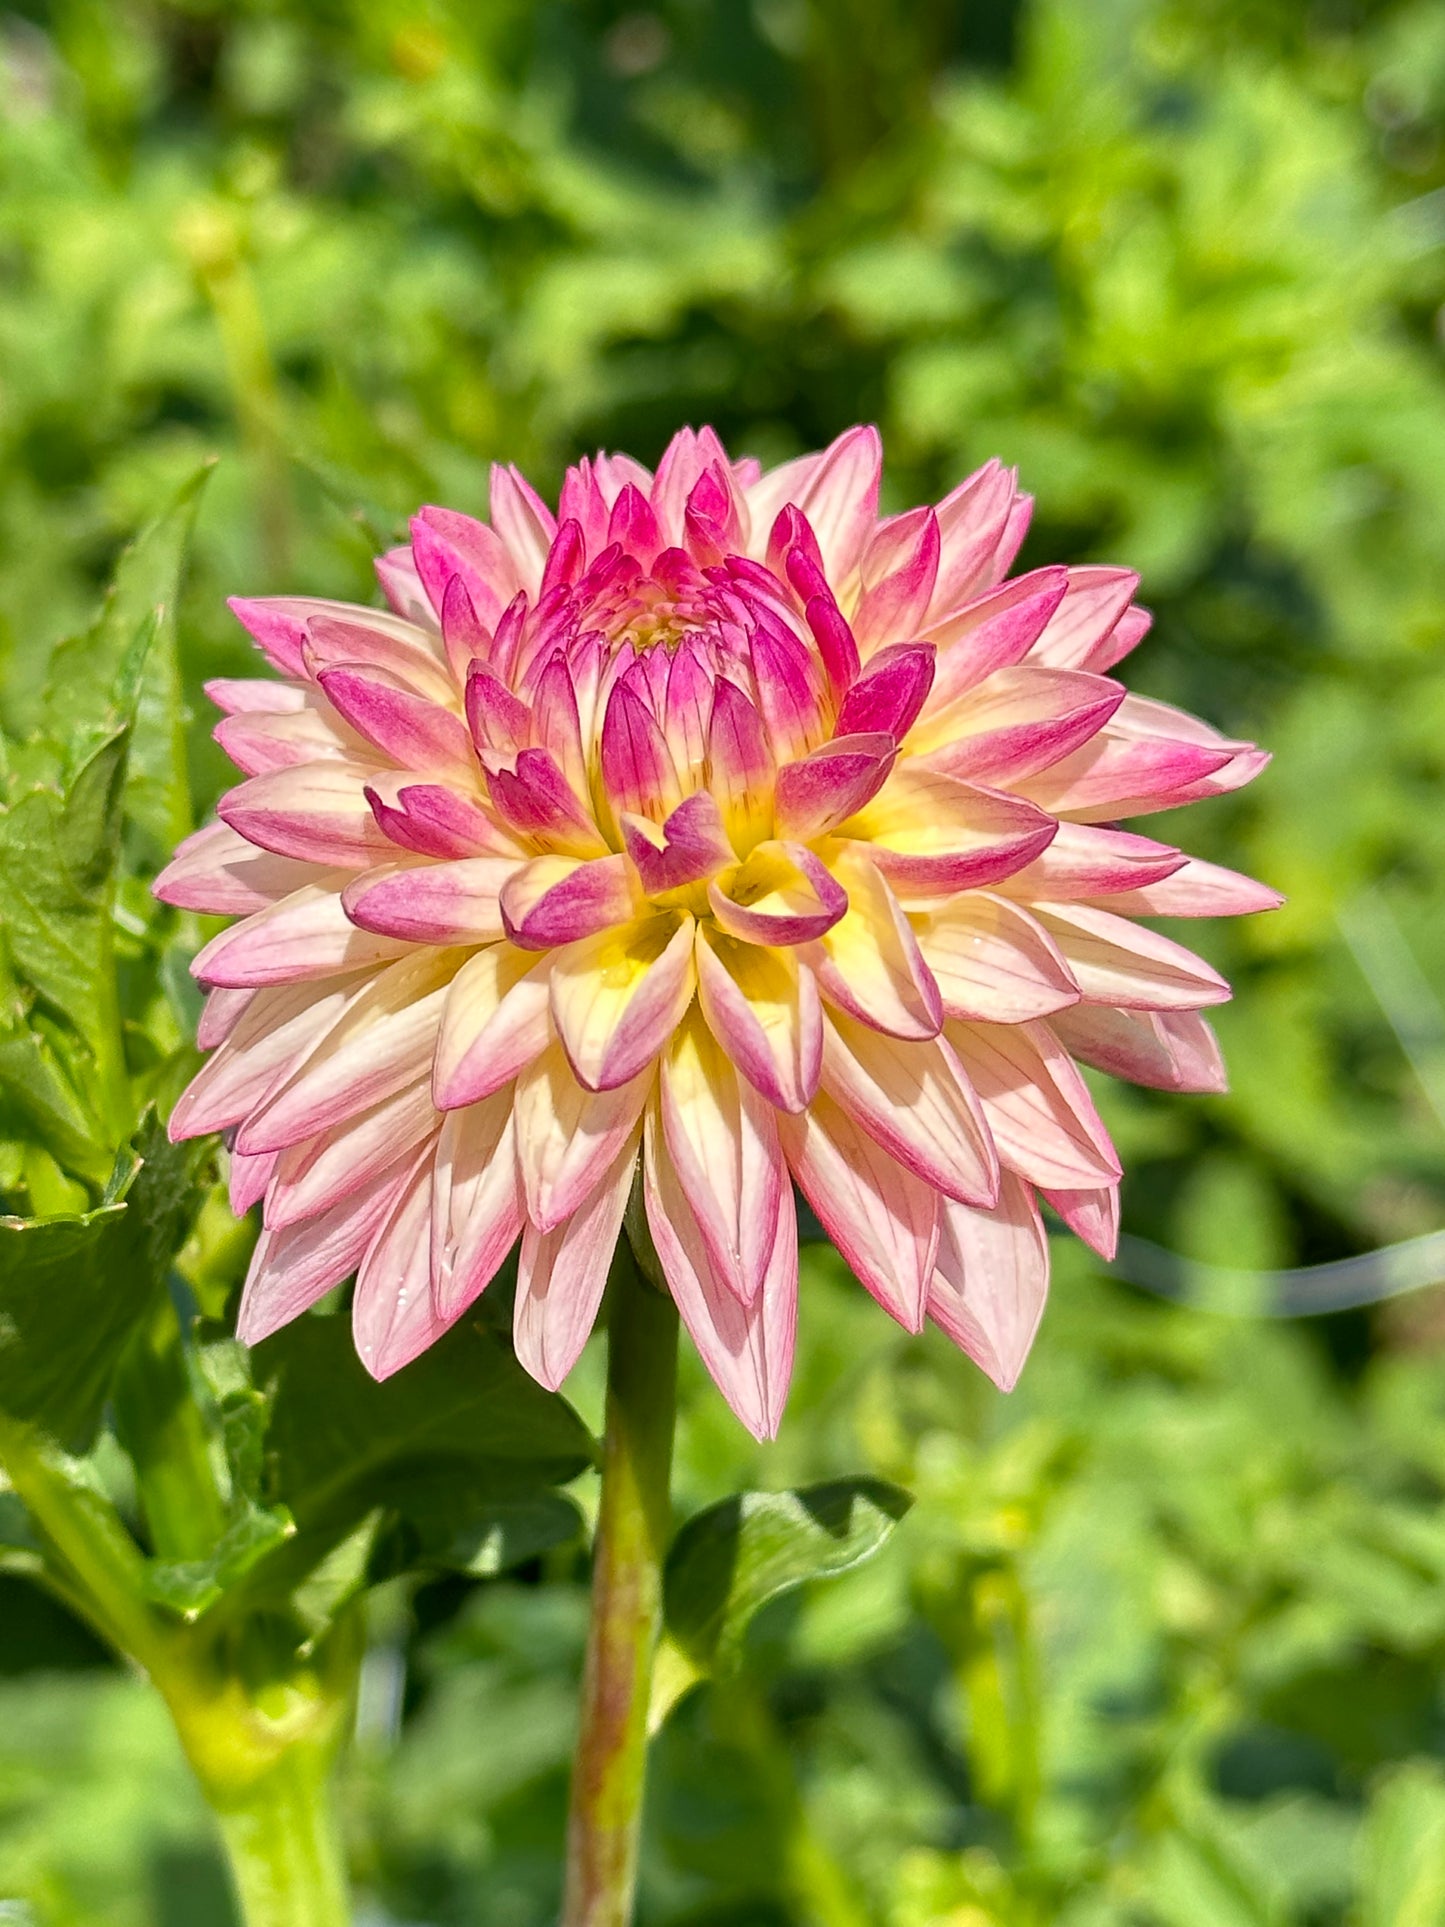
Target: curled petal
973,521
535,800
781,893
898,571
280,626
740,766
837,491
890,693
883,1219
445,543
762,1006
367,637
991,1280
637,766
688,848
618,997
432,820
494,1024
746,1346
497,719
557,899
454,902
993,962
523,521
821,791
259,741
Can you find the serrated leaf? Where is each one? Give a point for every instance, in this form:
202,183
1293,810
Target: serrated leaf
191,1586
731,1559
38,1101
73,1288
126,667
57,859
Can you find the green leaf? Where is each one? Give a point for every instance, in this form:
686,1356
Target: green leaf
461,1524
73,1288
449,1464
38,1100
1402,1851
126,665
57,859
733,1558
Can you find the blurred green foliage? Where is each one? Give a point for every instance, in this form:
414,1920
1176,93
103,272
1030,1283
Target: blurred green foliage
1160,1644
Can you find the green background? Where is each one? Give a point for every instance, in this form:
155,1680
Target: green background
1160,1644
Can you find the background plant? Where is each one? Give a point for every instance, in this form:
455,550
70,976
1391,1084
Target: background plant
1160,1640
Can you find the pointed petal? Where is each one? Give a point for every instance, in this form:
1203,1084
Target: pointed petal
617,997
992,1278
1087,860
890,693
313,1175
563,1272
837,491
495,1022
883,1220
870,964
291,1269
477,1206
914,1099
722,1142
1195,889
991,633
523,521
567,1137
316,812
1166,1050
747,1348
1114,961
217,871
824,789
1077,634
992,962
762,1006
271,1035
392,1314
456,902
557,899
304,936
1038,1107
412,732
1090,1215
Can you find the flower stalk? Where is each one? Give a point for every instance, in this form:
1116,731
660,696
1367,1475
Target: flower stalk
633,1527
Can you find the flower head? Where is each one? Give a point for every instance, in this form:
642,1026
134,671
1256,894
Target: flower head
716,825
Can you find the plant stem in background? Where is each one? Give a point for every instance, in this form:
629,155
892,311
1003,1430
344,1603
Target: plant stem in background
633,1525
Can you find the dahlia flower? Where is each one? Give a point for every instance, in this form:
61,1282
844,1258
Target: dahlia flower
714,829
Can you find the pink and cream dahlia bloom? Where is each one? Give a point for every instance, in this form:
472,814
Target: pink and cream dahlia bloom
714,828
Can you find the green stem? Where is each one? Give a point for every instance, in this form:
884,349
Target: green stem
102,1561
633,1525
283,1844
